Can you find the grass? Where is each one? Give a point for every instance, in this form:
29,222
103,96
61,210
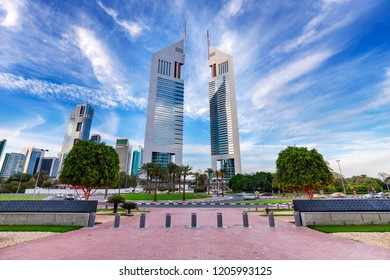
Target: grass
22,197
44,228
357,228
175,196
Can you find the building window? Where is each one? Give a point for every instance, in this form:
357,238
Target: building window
79,125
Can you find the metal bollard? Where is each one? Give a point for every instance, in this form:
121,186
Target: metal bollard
245,219
168,220
193,220
91,220
271,219
117,221
142,220
297,219
219,220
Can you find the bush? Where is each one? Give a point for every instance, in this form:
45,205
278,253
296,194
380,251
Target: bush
116,199
129,206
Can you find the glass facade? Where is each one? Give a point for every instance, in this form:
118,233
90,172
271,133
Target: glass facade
168,120
136,163
13,163
162,158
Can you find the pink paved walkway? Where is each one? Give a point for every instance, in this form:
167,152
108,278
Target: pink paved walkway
285,242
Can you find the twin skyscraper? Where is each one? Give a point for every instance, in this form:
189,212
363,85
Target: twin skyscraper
165,116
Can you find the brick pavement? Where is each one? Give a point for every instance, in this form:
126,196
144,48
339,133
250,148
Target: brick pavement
103,242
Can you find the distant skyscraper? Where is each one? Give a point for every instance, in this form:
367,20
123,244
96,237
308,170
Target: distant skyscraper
123,149
50,165
33,156
137,159
164,125
13,163
96,138
78,128
3,142
225,144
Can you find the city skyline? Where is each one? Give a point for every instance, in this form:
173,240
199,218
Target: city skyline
311,73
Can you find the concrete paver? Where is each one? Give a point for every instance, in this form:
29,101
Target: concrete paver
258,242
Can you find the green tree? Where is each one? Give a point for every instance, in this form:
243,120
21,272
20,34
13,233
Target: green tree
178,172
91,166
147,169
129,206
116,199
209,172
172,167
186,169
222,172
300,169
42,176
240,182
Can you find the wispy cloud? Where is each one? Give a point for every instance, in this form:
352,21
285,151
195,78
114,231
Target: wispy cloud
133,28
72,92
10,13
275,82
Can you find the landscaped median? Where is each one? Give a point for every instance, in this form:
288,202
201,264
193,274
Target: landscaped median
174,196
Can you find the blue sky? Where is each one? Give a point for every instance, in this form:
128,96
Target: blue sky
308,73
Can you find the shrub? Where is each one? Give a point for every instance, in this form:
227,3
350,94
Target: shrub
129,206
116,199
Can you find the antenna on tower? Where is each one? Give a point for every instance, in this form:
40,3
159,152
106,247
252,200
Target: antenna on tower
208,43
86,97
184,34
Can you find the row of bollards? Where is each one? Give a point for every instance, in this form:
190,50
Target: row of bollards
168,220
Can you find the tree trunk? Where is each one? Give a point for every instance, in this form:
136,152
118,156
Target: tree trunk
184,189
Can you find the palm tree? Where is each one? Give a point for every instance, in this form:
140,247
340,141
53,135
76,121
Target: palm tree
172,172
209,172
185,171
217,173
222,172
178,172
157,172
147,169
116,199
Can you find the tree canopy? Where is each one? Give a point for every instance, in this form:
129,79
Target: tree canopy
91,166
300,169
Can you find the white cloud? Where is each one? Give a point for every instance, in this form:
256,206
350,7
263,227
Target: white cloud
232,8
41,88
134,29
12,10
106,71
277,80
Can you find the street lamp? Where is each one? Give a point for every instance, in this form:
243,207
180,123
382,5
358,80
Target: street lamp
39,169
342,180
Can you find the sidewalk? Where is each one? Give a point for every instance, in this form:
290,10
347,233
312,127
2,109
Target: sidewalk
258,242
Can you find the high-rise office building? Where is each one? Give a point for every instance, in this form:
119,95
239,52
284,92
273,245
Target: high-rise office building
164,124
33,156
3,142
50,165
225,144
137,159
12,164
78,128
96,138
123,149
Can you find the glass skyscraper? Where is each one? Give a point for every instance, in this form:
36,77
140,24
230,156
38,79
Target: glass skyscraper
225,144
136,162
12,164
123,149
3,142
164,124
78,127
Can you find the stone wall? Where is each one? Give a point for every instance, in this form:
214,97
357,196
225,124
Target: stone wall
345,218
26,218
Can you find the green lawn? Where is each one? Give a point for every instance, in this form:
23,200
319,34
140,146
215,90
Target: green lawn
176,196
22,197
45,228
358,228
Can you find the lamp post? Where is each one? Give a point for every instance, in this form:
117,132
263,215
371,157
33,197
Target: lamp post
342,180
39,169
